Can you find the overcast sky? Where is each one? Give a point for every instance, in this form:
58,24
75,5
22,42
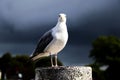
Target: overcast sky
22,23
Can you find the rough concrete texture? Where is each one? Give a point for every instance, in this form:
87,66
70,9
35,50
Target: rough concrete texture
64,73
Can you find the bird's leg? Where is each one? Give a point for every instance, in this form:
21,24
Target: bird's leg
51,60
56,60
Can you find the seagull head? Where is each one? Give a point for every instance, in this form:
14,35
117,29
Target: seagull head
62,17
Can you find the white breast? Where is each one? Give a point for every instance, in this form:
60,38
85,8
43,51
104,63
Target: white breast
59,41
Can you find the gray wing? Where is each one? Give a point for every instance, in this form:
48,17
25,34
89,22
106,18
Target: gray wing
43,42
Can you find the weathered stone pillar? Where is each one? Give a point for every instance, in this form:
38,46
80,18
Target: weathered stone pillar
64,73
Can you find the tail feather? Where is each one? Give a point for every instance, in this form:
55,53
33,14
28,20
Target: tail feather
40,55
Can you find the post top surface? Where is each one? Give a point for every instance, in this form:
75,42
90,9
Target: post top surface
65,67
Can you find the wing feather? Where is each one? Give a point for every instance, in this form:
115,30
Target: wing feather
43,42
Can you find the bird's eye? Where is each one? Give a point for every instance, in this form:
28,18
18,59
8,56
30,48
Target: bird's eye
59,15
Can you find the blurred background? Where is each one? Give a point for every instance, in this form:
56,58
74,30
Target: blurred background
23,22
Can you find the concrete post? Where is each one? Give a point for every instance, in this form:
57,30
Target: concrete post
64,73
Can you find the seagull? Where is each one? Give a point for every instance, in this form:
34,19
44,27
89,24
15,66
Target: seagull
53,41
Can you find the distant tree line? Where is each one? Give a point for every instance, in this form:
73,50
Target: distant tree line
14,67
106,56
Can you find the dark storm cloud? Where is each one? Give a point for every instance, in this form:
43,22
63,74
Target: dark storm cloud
11,35
106,22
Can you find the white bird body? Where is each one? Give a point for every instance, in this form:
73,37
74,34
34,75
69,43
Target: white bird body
60,39
53,41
